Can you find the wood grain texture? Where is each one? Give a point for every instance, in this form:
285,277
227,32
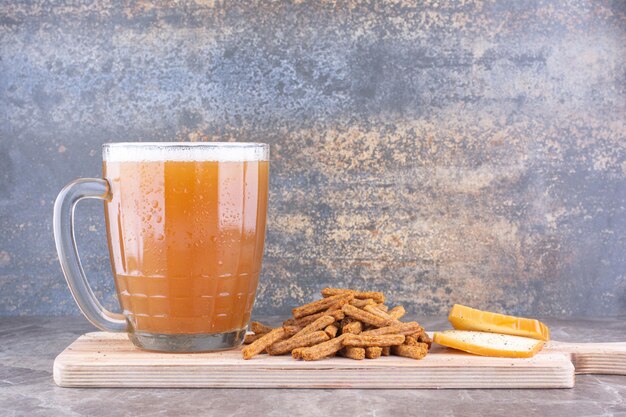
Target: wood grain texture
110,360
594,358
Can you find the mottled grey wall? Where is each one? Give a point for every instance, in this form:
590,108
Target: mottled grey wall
443,152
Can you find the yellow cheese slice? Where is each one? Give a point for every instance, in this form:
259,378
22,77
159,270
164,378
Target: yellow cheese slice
466,318
489,344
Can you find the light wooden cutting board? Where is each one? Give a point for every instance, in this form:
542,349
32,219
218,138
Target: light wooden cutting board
110,360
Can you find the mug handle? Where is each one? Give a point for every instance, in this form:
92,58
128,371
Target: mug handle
65,241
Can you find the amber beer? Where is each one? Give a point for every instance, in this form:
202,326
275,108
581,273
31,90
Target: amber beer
186,228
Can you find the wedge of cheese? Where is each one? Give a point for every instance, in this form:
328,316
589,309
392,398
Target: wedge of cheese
489,344
466,318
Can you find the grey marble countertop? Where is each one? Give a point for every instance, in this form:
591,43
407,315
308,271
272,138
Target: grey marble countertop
28,346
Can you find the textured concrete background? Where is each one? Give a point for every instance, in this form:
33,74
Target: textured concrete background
468,152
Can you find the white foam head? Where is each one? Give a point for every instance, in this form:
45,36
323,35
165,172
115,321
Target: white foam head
185,151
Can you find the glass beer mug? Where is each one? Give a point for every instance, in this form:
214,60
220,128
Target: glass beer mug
185,227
